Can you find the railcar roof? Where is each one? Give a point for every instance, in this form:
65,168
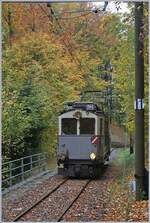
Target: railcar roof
83,106
94,112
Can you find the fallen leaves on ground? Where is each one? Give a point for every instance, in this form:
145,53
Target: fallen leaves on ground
138,211
122,205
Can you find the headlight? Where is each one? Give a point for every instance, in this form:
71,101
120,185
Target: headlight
92,156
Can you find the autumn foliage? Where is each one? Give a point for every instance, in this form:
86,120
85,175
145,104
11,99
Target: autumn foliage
49,57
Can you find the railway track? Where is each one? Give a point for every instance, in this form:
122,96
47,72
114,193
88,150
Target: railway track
39,201
73,201
29,210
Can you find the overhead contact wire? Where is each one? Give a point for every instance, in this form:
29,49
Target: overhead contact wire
60,27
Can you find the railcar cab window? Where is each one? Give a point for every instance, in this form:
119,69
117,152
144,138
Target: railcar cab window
69,126
87,126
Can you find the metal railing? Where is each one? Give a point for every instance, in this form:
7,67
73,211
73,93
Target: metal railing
18,170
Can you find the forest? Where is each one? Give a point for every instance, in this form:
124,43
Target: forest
50,55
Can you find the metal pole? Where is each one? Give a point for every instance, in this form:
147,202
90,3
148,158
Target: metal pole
22,169
139,100
10,174
31,165
39,161
131,143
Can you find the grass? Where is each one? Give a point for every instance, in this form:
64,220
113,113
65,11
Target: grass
122,205
124,158
125,161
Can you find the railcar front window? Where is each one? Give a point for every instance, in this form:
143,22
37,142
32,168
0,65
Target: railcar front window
69,126
87,126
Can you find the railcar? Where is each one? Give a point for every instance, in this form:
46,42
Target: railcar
83,140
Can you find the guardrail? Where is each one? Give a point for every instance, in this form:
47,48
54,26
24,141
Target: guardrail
18,170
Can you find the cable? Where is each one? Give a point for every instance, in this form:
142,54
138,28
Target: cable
59,25
74,17
78,11
67,45
95,10
47,14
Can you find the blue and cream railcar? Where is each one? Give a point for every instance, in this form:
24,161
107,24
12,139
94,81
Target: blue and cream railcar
83,140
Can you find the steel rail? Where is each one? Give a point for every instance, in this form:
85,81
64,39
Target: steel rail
37,202
73,201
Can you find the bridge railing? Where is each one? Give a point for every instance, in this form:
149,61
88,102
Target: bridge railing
18,170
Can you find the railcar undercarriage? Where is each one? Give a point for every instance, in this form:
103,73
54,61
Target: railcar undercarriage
81,169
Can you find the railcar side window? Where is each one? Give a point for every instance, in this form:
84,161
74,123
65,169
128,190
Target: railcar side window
87,126
69,126
101,126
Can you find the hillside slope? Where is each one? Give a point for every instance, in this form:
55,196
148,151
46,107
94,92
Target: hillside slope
119,137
